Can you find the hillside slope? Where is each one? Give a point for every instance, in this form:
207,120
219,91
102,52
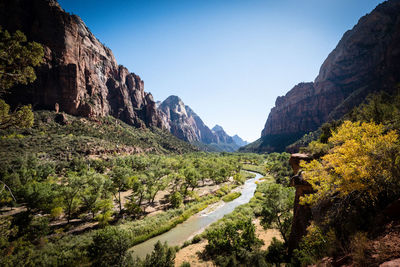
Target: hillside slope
63,137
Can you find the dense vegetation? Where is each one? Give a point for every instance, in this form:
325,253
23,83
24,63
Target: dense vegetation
232,240
55,198
355,174
273,203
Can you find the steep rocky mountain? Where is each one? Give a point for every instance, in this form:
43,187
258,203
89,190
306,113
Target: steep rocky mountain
222,136
239,141
80,75
366,60
185,124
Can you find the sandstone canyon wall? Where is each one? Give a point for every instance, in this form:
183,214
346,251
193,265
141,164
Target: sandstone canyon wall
366,60
79,73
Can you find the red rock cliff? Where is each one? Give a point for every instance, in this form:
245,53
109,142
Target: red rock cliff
366,59
79,73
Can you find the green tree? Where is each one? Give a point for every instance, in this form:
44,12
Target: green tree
21,118
176,199
104,207
39,195
162,256
138,189
14,251
277,209
232,240
191,179
154,183
276,252
17,61
121,180
92,191
109,247
72,185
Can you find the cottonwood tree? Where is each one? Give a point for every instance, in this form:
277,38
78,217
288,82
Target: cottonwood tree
277,209
121,180
72,185
364,160
92,191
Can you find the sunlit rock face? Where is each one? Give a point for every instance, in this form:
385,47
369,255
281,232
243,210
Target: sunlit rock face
80,74
185,124
367,59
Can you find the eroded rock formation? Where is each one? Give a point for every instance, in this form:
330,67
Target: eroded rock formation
79,73
301,213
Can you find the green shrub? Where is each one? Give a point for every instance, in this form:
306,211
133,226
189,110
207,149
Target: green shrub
359,246
315,245
276,252
196,239
162,256
230,243
109,246
176,199
231,196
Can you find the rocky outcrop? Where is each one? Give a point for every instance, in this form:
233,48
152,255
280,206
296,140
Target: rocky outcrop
79,75
367,59
185,124
301,213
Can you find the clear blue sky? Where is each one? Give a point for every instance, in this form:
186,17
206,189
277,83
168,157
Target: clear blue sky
227,59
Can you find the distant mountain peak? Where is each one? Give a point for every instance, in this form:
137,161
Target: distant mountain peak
217,128
236,138
185,124
172,100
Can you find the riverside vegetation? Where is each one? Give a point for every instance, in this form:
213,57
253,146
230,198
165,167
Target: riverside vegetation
58,197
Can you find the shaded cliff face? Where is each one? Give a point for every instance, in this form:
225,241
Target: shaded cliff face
80,74
185,124
367,59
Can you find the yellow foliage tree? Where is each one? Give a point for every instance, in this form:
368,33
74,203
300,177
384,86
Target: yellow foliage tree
364,159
